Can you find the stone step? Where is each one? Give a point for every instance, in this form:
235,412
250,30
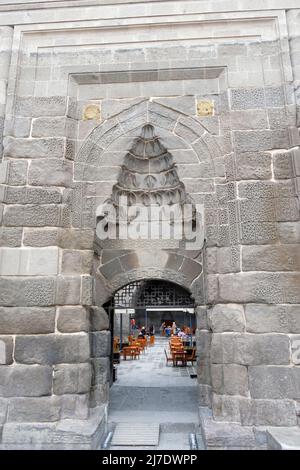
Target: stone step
283,438
139,434
225,435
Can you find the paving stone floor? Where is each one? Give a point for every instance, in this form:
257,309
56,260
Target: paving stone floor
149,390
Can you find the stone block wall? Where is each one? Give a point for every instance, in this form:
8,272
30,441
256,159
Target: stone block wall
74,99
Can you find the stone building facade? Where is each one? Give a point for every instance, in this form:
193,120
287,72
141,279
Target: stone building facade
219,82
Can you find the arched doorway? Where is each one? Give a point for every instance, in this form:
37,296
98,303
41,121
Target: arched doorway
158,389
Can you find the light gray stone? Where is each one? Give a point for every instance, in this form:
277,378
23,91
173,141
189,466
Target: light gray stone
259,287
218,435
271,258
52,349
28,261
262,318
289,232
255,165
66,434
201,318
229,379
41,106
100,344
41,409
203,338
68,290
250,349
226,408
71,378
25,381
100,370
50,127
10,236
226,317
32,215
247,99
72,319
17,195
249,120
283,438
183,104
6,349
26,320
52,172
283,165
222,260
268,412
75,261
99,319
33,148
27,291
274,382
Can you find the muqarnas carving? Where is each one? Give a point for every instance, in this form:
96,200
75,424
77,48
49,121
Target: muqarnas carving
148,203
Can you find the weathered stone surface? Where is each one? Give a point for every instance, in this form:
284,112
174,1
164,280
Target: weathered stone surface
27,291
226,408
32,215
49,127
75,261
221,260
289,232
52,349
260,287
68,290
274,382
283,165
247,99
17,195
271,258
50,172
75,406
253,165
100,370
41,236
227,317
203,338
262,318
99,319
28,261
248,120
41,409
33,148
16,173
72,319
6,349
10,236
41,106
268,412
100,344
71,378
225,435
229,379
25,381
249,349
201,318
26,320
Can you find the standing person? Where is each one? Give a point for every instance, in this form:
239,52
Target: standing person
174,328
152,330
162,329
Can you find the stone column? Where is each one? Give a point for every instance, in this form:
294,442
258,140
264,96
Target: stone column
6,34
293,21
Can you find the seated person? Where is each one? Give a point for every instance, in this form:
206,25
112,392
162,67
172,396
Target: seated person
142,333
